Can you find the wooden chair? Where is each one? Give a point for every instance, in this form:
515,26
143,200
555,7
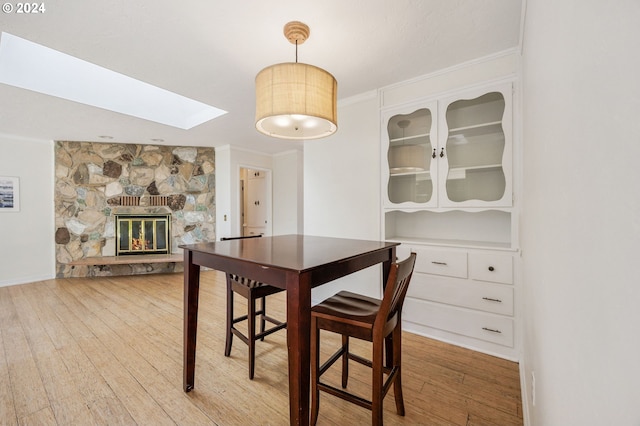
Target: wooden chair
365,318
252,291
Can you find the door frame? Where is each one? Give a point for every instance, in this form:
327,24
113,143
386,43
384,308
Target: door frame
268,197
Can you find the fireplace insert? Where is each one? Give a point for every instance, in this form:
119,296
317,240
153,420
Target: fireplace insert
143,234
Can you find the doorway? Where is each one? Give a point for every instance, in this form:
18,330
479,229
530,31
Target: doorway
255,205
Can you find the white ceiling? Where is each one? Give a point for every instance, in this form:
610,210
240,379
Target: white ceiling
211,50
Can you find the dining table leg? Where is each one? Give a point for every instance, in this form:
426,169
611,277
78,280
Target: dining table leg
191,293
298,344
388,341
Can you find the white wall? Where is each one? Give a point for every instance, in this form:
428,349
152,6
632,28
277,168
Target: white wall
341,187
341,175
223,194
581,213
229,160
286,179
27,236
288,188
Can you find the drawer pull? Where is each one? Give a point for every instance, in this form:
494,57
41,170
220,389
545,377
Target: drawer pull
439,263
492,330
491,268
492,300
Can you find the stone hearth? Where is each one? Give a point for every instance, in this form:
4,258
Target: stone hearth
96,181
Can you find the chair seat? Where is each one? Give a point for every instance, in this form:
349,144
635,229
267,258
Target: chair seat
350,307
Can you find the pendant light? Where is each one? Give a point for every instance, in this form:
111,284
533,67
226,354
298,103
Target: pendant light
295,100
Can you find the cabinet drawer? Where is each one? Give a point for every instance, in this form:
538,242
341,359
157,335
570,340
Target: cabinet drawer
491,267
479,325
486,297
441,262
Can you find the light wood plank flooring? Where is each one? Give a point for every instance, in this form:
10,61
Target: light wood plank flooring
108,351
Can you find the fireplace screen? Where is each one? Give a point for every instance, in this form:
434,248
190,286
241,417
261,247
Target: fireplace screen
143,234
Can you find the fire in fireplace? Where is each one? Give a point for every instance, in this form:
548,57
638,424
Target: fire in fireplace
143,234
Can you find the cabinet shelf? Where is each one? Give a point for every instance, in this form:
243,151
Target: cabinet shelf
398,141
453,243
477,129
486,228
477,168
425,174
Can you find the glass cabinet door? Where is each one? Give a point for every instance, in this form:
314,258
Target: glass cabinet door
475,149
409,157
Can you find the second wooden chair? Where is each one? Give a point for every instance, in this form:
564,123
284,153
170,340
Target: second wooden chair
252,291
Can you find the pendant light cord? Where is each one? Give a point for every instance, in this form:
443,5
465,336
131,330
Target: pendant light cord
296,51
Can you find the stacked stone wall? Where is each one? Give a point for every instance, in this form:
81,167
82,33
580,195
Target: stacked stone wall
95,181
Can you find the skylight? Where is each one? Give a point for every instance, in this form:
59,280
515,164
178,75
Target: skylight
31,66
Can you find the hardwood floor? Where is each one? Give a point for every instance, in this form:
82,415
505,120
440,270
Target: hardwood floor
108,351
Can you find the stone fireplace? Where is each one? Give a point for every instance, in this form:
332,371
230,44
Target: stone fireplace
96,183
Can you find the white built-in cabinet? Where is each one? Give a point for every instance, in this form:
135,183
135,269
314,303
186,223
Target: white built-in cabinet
447,194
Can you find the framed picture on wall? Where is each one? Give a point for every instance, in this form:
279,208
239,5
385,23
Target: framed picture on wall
9,194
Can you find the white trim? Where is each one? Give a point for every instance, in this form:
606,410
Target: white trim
438,96
26,280
523,16
524,392
222,148
453,68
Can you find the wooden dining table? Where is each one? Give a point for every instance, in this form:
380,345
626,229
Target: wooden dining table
296,263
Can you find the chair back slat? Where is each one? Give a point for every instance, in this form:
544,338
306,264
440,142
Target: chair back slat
396,289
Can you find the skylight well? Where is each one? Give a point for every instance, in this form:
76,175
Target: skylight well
34,67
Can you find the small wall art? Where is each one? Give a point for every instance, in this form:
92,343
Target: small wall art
9,194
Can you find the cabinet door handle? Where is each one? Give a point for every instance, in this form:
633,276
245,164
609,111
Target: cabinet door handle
434,153
439,263
491,268
492,300
492,330
441,152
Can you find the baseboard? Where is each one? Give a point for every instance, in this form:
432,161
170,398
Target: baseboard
25,280
525,386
